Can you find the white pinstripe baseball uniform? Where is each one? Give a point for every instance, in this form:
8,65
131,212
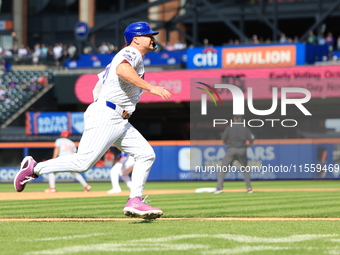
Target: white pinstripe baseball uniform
116,94
105,126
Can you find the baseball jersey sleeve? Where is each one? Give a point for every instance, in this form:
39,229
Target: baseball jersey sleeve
116,90
127,54
57,142
101,75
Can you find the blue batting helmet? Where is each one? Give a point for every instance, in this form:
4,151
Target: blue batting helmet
136,29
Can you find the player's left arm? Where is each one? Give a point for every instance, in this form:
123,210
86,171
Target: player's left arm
126,72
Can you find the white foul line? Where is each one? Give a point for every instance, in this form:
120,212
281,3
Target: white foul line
65,237
166,244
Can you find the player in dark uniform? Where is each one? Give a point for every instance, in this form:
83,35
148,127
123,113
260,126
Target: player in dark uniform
237,137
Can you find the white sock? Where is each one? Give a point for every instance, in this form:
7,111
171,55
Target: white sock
51,180
114,174
80,179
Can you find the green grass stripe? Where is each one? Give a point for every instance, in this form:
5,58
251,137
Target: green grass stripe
104,186
265,204
170,237
177,236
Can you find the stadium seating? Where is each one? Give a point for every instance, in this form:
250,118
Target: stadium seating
22,94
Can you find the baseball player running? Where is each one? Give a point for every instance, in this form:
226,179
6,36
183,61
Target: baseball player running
106,122
64,146
122,168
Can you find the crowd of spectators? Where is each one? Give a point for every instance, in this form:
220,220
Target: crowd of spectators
14,86
39,54
173,47
17,87
327,41
55,55
322,40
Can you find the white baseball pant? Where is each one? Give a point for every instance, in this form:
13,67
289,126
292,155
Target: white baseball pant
104,127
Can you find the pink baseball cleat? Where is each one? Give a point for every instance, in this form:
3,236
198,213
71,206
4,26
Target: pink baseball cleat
136,207
25,174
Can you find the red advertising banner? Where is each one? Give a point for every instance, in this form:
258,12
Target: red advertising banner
319,80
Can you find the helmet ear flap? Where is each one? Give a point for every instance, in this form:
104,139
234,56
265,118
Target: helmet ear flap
155,46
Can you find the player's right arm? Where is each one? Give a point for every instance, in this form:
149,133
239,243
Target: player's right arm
127,73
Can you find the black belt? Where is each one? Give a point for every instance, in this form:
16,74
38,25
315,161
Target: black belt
125,114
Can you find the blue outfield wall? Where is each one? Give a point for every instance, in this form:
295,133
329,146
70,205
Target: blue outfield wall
266,162
185,163
151,59
204,57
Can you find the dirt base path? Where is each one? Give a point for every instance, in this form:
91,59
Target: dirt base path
76,194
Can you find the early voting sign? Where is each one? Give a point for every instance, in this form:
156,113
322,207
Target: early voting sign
52,123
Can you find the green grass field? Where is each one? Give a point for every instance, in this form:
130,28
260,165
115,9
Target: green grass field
250,235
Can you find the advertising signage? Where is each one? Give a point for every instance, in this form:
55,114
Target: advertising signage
321,81
278,55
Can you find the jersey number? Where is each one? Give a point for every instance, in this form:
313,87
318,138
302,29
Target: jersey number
107,70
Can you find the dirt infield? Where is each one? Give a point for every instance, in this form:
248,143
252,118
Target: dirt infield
77,194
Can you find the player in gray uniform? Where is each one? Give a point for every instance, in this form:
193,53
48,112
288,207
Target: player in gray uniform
236,138
64,146
106,122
